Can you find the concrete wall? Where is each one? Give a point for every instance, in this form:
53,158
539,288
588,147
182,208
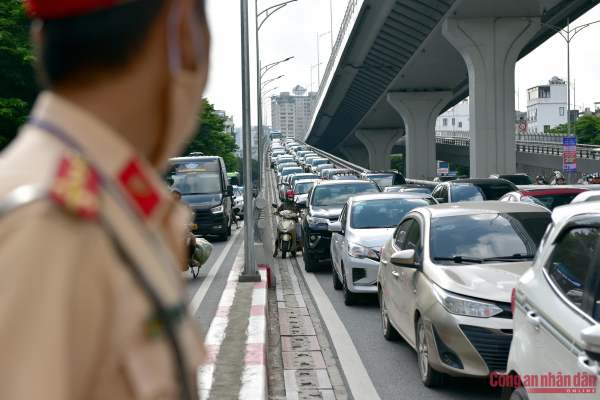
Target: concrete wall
530,164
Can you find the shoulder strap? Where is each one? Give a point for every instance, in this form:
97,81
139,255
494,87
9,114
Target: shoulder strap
22,196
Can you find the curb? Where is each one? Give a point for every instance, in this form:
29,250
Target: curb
254,382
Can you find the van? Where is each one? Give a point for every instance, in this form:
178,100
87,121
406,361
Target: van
204,185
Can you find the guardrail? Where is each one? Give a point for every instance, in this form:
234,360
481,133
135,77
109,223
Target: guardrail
336,161
527,146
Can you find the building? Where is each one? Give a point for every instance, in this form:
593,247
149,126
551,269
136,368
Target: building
593,111
455,121
240,142
290,113
547,106
229,125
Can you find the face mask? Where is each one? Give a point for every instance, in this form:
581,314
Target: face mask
185,89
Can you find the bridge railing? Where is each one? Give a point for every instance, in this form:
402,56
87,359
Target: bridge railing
335,54
336,161
527,146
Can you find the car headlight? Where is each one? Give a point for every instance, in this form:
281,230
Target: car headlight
358,251
456,304
216,210
317,221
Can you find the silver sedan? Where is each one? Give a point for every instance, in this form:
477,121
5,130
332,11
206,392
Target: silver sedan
365,224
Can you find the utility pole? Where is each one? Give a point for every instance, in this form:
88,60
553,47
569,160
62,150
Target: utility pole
250,273
318,58
568,78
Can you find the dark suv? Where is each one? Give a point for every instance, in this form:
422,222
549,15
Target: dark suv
324,205
385,178
480,189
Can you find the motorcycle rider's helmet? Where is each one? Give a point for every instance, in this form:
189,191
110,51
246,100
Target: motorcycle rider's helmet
559,177
595,175
289,194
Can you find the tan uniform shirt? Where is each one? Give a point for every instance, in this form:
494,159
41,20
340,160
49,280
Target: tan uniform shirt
74,322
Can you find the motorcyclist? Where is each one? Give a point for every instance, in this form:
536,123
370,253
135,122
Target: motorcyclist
583,179
589,179
595,179
539,180
560,180
290,205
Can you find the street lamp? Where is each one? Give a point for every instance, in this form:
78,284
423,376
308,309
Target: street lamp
269,66
568,35
312,67
269,81
267,13
319,57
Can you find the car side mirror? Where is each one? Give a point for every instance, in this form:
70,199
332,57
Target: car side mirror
590,338
301,204
229,190
404,258
440,200
234,197
335,227
274,205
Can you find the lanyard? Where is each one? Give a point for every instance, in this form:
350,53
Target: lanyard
162,310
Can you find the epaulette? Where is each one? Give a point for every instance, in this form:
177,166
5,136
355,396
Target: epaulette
76,187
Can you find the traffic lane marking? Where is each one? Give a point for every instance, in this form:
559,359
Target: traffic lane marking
210,276
357,377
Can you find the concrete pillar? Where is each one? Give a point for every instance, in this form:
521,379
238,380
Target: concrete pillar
419,110
490,48
358,155
379,143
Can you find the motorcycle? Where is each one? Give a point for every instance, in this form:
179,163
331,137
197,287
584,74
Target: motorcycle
286,232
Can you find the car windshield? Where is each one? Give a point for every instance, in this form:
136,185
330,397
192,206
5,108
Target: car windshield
373,214
551,201
318,162
303,187
519,179
495,191
417,190
324,167
303,176
237,192
383,180
288,171
484,236
466,193
287,165
202,183
337,195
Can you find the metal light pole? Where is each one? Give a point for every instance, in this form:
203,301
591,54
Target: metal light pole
268,12
250,271
312,67
319,57
331,20
566,34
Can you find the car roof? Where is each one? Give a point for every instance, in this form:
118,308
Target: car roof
306,180
562,213
176,160
388,196
482,207
342,182
554,190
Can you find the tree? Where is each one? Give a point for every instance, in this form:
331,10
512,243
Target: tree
211,139
397,163
18,85
240,169
587,128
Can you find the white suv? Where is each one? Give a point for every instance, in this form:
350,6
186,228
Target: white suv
556,307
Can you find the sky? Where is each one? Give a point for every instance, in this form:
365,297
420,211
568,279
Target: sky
292,31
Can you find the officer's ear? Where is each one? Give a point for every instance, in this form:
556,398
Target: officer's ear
194,36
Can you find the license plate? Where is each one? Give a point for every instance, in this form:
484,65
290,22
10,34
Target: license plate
195,226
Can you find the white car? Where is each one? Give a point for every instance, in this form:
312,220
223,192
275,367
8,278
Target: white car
365,224
238,198
556,306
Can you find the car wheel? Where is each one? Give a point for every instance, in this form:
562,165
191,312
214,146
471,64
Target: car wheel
337,284
429,376
389,332
519,394
311,264
350,298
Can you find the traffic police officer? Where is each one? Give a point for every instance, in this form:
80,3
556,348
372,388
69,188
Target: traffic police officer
91,299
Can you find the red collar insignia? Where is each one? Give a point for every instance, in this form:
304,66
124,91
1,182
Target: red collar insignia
139,188
77,187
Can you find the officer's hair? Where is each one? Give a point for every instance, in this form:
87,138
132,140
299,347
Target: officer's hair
106,40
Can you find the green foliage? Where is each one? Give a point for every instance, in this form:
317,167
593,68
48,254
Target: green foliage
587,128
240,162
18,86
460,170
397,163
211,140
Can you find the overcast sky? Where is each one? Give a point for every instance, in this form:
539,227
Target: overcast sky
292,31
